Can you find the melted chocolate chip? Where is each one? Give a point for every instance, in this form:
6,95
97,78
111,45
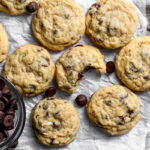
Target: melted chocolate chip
108,28
110,67
108,102
55,31
147,78
67,16
56,125
45,106
80,76
32,7
47,114
96,6
134,69
121,120
100,22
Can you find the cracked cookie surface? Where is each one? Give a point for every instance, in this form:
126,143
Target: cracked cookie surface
30,68
133,64
55,122
111,23
15,7
58,24
3,44
114,109
74,62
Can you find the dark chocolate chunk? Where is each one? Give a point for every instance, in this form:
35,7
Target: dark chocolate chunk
8,121
32,7
81,100
50,92
108,102
110,67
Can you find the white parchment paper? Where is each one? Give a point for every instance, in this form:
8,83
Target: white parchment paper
89,137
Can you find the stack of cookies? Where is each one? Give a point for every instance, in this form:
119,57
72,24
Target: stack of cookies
58,24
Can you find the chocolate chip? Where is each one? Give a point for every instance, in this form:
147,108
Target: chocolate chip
47,59
125,96
55,31
100,40
32,7
2,115
67,16
47,114
50,92
8,121
108,28
108,102
39,50
134,69
6,134
147,78
4,99
130,112
80,45
50,98
1,136
2,105
10,112
15,144
100,22
110,67
45,106
56,125
6,91
96,6
80,76
121,120
57,112
2,84
81,100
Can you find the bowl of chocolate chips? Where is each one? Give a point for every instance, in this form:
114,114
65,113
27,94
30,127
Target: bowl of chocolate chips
12,114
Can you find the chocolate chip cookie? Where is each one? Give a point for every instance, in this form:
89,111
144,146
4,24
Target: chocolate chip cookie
30,68
133,64
111,23
55,122
3,44
114,109
58,24
74,62
15,7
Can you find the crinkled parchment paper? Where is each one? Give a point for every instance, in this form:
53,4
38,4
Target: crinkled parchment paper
89,137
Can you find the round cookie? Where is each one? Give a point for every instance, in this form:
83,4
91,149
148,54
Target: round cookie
15,7
111,23
3,44
133,64
114,109
58,24
55,122
74,62
31,69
